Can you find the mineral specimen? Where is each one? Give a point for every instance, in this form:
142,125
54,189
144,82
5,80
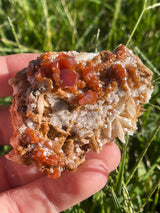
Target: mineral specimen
66,103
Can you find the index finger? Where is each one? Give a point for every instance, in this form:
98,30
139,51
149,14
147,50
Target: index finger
9,65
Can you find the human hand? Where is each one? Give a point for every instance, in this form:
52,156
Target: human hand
23,188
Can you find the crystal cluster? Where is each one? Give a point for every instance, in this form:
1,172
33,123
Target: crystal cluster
66,103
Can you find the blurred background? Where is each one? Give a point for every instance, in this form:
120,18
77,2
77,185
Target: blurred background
94,25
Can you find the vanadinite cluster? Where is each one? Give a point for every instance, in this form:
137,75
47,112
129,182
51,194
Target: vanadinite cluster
66,103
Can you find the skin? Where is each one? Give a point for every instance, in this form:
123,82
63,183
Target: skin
23,188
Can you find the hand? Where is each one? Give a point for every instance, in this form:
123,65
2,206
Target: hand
23,188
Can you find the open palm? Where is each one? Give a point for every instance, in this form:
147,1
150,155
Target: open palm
23,188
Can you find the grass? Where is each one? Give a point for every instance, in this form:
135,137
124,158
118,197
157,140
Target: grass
94,25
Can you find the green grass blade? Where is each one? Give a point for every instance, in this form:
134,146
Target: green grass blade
128,205
112,29
151,170
108,6
81,40
153,6
14,32
5,101
47,42
139,19
155,106
135,27
155,202
157,185
97,39
137,49
120,177
142,154
5,149
115,201
70,20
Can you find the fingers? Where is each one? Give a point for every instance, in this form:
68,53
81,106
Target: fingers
110,154
5,125
5,89
16,175
13,175
47,194
9,65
